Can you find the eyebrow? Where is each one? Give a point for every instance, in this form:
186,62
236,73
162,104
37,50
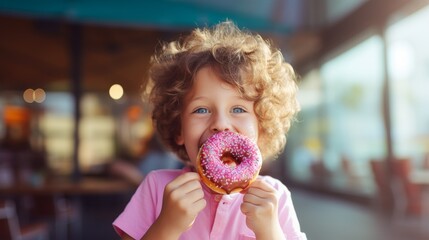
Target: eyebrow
198,98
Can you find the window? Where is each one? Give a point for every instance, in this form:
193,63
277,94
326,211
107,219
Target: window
341,119
353,105
408,65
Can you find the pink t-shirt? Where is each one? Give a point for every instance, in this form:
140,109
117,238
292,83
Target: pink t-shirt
220,219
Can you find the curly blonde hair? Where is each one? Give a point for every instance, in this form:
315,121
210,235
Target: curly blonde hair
242,59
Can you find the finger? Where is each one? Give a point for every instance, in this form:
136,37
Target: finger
252,199
190,200
190,186
247,207
181,179
200,205
186,177
261,194
244,191
185,189
195,195
257,192
262,188
263,185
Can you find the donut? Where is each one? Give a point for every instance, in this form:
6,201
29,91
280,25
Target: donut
228,162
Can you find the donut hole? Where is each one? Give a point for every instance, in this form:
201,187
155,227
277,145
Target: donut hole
229,160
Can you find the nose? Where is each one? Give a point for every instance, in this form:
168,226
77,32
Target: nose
220,122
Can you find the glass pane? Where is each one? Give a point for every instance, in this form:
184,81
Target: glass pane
408,64
340,127
305,136
352,92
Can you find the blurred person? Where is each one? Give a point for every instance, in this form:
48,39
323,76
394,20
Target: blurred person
155,156
217,79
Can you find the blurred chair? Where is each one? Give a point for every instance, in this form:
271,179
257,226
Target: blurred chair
412,192
319,170
61,212
10,228
426,161
384,189
350,171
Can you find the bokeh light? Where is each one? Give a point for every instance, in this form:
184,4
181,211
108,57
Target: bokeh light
116,91
39,95
28,95
31,95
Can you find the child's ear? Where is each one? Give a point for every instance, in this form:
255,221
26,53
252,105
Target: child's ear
180,140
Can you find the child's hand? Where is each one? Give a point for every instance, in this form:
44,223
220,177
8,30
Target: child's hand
260,205
183,200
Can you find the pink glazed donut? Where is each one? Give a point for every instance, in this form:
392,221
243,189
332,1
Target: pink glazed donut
228,162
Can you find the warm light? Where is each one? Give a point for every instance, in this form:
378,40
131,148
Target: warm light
116,91
28,95
16,115
39,95
134,113
31,95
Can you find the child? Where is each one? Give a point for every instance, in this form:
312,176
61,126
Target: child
218,79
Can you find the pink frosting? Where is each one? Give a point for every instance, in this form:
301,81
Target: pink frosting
241,148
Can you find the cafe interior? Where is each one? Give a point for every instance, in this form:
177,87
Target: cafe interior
74,127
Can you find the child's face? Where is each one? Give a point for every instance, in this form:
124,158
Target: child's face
213,105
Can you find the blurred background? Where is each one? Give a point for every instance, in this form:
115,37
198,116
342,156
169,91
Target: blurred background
76,136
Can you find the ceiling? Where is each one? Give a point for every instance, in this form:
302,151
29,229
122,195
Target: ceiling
49,42
283,16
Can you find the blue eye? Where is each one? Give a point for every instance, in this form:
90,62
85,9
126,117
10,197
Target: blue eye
238,110
201,110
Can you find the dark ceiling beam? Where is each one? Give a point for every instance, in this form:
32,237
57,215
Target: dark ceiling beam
371,14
